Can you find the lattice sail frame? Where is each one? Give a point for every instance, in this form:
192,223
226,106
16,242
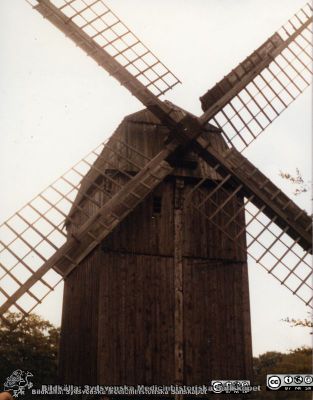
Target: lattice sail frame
287,74
33,235
268,245
104,27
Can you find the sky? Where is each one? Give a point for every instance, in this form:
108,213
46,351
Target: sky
56,105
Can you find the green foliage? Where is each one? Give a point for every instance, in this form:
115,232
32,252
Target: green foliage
297,180
31,345
296,361
304,323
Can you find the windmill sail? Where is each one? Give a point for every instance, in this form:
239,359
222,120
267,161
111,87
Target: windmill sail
268,244
264,193
93,27
37,250
260,88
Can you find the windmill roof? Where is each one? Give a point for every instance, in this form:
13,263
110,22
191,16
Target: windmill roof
147,135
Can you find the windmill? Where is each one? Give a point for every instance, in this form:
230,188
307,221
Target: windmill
163,173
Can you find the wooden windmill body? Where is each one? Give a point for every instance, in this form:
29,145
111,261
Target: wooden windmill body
151,231
168,290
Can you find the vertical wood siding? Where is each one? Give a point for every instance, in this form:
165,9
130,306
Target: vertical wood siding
119,304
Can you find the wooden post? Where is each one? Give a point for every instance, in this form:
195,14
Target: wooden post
178,283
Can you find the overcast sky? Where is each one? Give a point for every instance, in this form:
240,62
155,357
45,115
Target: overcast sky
56,105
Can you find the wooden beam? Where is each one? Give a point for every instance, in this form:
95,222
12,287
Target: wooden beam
245,72
100,225
50,12
178,283
263,193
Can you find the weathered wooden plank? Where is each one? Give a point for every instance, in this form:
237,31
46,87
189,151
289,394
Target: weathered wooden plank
210,241
144,223
136,319
178,283
217,342
79,333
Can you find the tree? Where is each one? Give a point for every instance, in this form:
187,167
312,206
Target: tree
30,345
298,361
